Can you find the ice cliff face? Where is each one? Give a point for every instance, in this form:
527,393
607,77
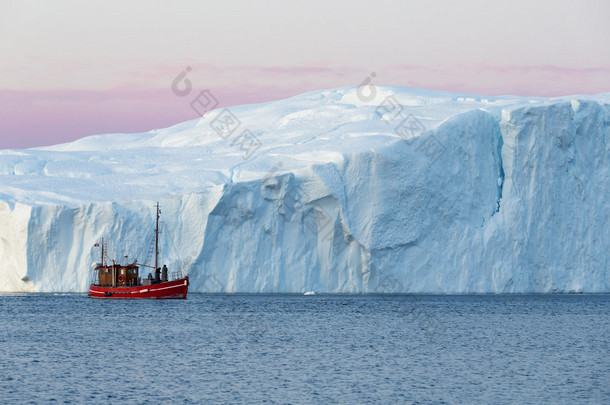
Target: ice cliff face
331,191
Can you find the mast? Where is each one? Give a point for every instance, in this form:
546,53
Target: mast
157,238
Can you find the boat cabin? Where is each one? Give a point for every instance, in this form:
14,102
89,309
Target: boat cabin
116,275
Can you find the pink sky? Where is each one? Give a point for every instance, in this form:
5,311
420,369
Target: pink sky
69,69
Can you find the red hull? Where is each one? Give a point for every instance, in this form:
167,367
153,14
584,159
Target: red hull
176,289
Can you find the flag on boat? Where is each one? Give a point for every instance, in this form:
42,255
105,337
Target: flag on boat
96,245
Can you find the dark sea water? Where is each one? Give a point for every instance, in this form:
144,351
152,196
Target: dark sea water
294,349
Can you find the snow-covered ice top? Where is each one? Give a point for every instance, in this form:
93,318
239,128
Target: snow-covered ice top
301,131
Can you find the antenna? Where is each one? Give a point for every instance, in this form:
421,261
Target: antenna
104,252
157,238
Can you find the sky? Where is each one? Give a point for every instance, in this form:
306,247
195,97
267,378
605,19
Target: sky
69,69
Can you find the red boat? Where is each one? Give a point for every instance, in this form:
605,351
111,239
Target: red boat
123,281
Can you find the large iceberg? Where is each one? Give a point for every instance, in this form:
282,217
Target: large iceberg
352,190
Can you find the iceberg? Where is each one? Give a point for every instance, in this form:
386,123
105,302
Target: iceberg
400,191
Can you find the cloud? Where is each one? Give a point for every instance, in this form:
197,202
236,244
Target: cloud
534,80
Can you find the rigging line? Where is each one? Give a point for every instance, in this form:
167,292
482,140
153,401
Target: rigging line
145,247
148,247
174,251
